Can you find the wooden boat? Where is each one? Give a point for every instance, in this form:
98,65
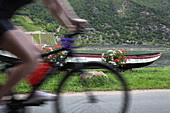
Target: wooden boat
133,61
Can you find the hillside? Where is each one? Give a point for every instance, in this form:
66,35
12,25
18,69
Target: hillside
120,22
26,23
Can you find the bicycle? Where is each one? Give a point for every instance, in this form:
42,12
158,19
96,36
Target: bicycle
94,79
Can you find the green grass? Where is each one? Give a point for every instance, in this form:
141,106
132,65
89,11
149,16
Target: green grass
149,78
74,83
48,39
142,78
30,27
26,23
36,38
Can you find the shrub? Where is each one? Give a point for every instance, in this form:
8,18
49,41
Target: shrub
115,57
54,58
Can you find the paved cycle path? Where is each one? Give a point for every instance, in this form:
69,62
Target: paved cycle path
142,101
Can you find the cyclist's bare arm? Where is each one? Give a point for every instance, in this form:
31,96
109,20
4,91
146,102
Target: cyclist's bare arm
59,11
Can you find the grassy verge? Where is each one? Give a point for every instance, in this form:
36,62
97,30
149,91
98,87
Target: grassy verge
142,78
149,78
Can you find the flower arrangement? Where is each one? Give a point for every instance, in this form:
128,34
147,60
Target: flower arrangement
54,58
115,57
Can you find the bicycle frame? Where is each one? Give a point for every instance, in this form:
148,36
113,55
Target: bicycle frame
20,104
67,46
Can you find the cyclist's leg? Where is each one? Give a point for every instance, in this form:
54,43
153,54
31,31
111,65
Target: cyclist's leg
16,42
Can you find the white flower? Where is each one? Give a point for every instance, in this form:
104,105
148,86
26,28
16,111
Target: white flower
61,56
114,52
103,59
65,52
119,51
113,63
103,55
57,62
109,51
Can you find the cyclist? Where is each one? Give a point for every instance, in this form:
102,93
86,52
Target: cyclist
14,40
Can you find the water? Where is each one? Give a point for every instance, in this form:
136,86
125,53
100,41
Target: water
164,60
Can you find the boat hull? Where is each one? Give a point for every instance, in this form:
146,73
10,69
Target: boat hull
133,61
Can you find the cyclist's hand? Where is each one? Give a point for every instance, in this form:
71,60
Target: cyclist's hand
79,24
72,28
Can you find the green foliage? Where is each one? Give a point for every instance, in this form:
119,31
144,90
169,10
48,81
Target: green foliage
155,4
95,82
149,78
141,78
115,57
123,22
54,58
26,23
48,39
36,38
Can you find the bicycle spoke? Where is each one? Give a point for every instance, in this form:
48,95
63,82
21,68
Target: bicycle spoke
79,108
105,101
76,106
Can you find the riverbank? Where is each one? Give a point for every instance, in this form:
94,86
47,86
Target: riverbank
127,48
138,79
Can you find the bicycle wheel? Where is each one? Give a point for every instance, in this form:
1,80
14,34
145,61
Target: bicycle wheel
94,88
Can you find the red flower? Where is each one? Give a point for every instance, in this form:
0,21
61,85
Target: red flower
47,48
57,47
117,60
118,57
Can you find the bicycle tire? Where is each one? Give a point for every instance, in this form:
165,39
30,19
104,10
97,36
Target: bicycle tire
116,84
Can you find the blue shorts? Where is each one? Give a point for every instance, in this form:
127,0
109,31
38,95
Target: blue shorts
5,25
